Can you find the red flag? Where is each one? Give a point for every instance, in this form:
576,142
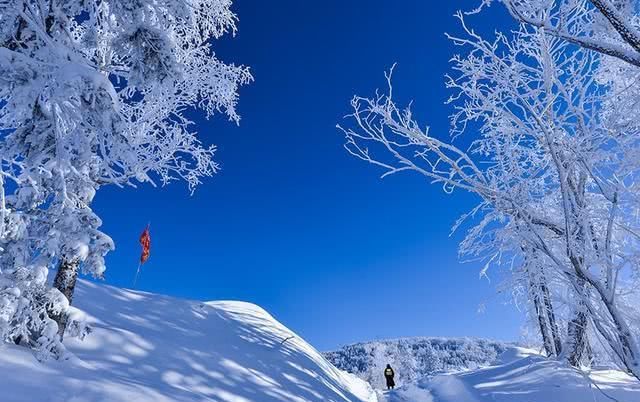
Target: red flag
145,242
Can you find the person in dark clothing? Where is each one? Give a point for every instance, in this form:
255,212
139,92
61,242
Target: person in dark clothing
388,374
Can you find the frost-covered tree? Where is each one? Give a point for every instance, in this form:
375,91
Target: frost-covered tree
610,27
413,359
94,93
553,165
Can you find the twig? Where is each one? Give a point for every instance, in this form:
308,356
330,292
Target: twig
286,339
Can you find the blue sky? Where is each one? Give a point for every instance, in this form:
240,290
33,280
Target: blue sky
295,224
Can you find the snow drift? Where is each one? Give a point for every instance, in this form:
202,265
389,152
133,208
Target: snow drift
534,379
148,347
521,376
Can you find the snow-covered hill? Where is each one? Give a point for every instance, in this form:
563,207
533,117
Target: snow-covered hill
154,348
477,370
522,376
148,347
415,358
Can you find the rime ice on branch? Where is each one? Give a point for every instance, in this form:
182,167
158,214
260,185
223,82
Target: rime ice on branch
609,27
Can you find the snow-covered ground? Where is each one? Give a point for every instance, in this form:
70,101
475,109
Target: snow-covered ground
148,347
521,376
154,348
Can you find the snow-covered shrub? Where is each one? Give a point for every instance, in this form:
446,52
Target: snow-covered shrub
25,304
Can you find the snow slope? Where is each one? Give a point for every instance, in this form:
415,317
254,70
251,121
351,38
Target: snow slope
522,377
148,347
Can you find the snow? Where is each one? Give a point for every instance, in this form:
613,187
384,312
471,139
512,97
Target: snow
148,347
408,393
521,376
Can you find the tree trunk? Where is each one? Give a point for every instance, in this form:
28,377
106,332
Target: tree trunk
65,282
577,337
577,327
542,324
551,315
541,297
622,341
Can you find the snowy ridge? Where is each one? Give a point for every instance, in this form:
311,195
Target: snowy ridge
415,358
148,347
521,376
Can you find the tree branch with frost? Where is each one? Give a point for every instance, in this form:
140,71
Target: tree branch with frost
380,122
573,21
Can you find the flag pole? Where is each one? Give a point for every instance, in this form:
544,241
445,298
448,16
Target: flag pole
135,280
